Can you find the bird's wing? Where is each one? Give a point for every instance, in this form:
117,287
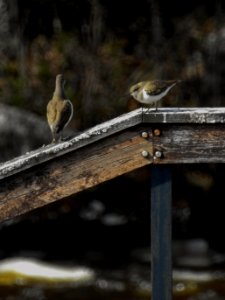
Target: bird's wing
156,88
51,112
64,115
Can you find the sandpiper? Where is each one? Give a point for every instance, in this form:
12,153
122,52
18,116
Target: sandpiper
149,92
59,110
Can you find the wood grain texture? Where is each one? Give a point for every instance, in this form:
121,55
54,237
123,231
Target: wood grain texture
72,173
183,143
184,115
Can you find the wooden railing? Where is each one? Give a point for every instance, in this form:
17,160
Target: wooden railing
128,142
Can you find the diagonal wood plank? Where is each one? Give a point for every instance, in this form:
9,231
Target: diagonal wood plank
73,172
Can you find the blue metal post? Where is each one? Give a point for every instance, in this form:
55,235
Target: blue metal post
161,264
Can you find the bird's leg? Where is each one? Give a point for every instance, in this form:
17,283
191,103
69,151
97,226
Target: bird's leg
156,108
148,108
53,138
61,137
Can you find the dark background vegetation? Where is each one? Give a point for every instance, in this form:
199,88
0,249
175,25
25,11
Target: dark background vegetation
103,47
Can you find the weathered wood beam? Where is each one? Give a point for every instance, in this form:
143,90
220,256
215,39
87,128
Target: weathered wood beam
73,172
182,115
51,151
149,116
53,172
189,143
108,158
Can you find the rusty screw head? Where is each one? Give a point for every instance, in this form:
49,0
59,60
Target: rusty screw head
157,132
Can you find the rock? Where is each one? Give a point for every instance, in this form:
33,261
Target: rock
21,131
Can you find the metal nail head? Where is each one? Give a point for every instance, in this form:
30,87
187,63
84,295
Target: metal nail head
145,153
